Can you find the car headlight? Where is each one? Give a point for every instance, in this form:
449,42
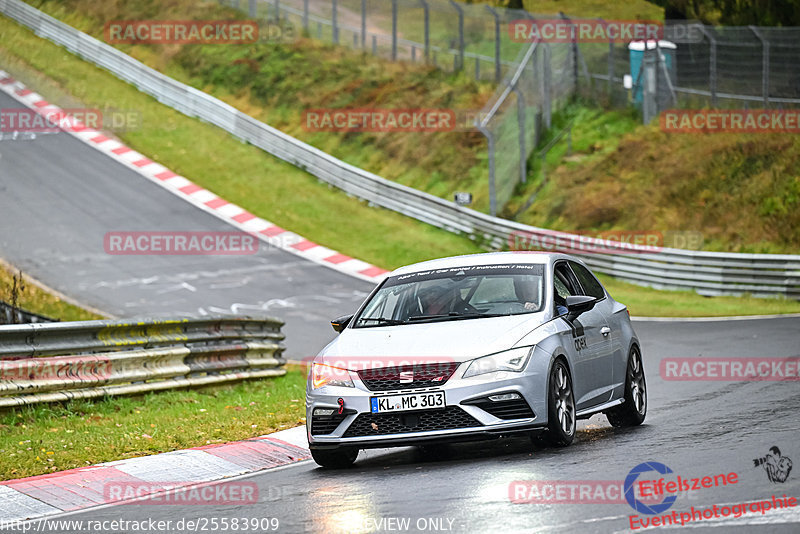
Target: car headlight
327,375
513,360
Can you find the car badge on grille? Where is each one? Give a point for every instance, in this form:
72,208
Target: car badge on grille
406,377
438,379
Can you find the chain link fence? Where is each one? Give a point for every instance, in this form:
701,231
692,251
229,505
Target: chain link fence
694,66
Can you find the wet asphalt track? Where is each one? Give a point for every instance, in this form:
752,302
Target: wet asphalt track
58,198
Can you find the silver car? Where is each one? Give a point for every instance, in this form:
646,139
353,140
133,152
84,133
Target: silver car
475,347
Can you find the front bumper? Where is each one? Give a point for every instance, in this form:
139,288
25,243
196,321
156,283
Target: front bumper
467,415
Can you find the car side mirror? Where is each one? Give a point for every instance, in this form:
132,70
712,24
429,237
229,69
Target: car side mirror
578,304
340,323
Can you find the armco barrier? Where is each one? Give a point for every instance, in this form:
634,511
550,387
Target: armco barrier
61,361
708,273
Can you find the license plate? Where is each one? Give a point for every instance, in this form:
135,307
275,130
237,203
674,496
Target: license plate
408,402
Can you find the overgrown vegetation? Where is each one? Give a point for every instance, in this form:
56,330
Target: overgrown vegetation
734,12
21,292
742,192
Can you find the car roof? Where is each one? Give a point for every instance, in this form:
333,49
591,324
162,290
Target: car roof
489,258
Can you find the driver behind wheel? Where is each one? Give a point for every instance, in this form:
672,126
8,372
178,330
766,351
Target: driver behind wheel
527,293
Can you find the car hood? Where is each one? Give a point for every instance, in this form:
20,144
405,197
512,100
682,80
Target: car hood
458,341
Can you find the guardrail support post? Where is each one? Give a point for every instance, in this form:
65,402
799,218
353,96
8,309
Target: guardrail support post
251,8
460,12
305,15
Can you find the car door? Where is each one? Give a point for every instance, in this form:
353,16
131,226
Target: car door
592,287
589,343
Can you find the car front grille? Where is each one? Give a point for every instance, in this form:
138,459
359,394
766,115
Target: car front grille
509,409
448,418
407,376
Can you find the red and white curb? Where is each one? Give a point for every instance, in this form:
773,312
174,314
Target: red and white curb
88,487
184,188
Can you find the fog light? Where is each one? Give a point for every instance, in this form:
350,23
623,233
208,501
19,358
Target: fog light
504,397
323,411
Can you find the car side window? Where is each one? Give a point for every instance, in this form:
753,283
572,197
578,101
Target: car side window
564,286
591,287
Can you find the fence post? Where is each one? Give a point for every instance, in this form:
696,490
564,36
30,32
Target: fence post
335,21
278,12
490,140
764,65
426,16
251,8
712,65
523,156
305,15
460,12
364,24
650,89
610,64
394,30
573,48
546,97
497,68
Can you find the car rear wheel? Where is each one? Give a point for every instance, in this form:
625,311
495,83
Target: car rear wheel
560,407
633,410
335,459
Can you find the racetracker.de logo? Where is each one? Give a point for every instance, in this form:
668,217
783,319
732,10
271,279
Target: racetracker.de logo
572,492
731,369
183,493
379,120
28,120
180,243
59,368
583,30
608,242
54,120
730,120
181,32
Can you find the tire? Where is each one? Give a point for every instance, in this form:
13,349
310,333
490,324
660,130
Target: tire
336,458
633,411
560,407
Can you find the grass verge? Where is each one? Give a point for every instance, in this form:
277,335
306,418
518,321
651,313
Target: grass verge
53,437
240,173
275,190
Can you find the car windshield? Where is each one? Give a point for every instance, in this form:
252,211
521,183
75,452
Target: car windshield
456,293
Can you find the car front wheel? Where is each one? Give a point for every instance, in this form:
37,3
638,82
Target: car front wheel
560,407
633,410
335,459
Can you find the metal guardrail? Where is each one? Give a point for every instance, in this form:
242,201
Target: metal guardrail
709,273
50,362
